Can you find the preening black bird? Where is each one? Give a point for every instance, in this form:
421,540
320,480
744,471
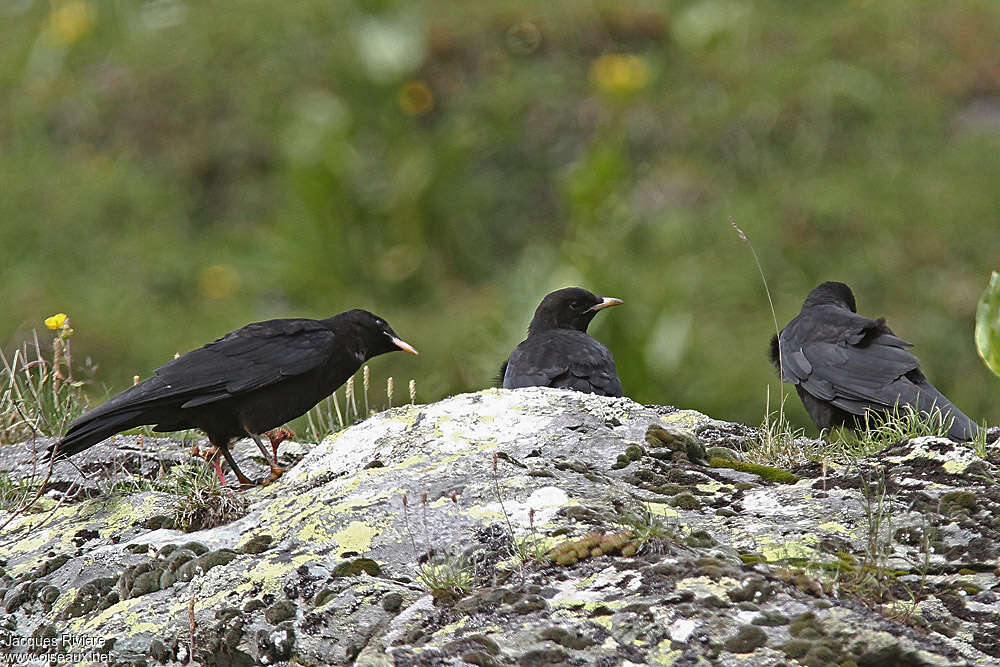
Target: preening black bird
242,385
843,365
559,353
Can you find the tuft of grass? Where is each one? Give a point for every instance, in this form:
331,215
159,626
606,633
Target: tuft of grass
203,503
649,530
448,577
988,325
531,548
979,443
900,423
778,443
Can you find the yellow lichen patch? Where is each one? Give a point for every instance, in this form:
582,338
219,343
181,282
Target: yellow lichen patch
450,629
78,625
283,516
484,512
604,621
779,551
407,414
316,533
833,527
54,536
438,431
63,601
710,487
214,602
144,626
268,573
592,606
955,467
127,514
318,528
685,419
412,461
662,509
663,656
357,537
26,545
705,586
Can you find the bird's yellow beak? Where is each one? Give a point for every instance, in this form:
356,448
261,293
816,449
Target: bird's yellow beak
607,302
403,345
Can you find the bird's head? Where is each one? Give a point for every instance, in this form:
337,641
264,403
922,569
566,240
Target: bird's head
569,308
832,293
376,335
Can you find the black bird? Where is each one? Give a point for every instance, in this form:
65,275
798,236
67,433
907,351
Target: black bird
559,353
844,365
244,384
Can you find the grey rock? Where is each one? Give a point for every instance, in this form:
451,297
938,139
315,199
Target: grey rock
330,566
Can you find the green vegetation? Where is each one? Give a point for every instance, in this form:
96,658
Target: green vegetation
648,529
16,493
766,472
39,396
172,171
779,443
205,504
901,423
988,324
447,578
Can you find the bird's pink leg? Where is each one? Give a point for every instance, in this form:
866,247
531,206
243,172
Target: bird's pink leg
213,457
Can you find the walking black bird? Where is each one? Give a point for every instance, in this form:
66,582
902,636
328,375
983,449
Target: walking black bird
844,365
242,385
559,353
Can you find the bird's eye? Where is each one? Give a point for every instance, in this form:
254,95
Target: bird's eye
575,305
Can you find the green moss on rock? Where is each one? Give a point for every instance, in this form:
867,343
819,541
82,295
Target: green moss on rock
766,472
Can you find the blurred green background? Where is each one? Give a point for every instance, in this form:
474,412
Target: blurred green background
173,170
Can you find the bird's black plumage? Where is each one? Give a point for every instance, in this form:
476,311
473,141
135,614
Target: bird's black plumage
247,382
559,353
843,365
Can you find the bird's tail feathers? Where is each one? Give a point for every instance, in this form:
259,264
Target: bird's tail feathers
929,400
87,432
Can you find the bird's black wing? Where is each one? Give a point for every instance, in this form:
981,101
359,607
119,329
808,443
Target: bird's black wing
846,359
256,356
563,358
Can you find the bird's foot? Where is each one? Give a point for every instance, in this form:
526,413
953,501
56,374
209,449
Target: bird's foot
245,482
276,472
278,436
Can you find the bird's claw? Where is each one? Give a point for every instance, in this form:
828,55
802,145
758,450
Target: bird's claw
276,472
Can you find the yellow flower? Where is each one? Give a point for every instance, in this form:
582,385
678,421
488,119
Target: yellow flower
56,321
416,98
70,21
619,73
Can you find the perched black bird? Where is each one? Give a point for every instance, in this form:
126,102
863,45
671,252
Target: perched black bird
244,384
843,365
559,353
